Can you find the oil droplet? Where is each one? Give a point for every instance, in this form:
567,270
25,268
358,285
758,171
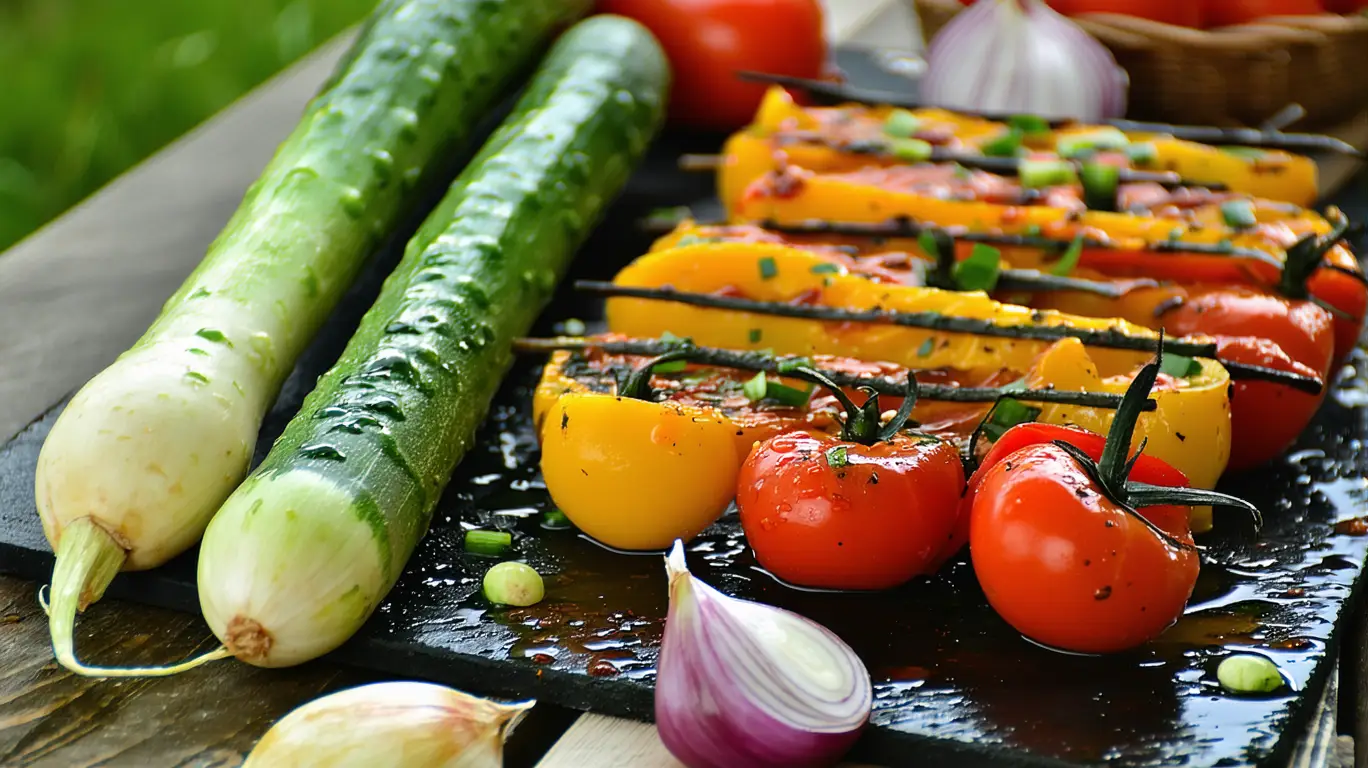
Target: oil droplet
322,451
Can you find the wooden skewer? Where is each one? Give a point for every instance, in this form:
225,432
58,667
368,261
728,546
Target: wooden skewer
1108,339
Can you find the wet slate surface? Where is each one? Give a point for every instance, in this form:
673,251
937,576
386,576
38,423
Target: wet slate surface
953,682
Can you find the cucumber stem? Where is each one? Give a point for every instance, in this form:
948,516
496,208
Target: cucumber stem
88,559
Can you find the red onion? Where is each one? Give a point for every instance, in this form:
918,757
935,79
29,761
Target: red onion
743,685
1020,56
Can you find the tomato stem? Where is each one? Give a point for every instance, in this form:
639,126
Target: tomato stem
637,384
1146,495
862,421
1090,468
1114,465
1306,255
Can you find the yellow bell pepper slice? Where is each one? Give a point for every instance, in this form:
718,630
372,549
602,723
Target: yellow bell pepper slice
770,272
749,154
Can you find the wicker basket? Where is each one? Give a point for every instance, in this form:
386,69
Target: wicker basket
1231,76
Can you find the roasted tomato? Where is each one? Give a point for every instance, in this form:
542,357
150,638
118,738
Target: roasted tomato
1075,545
869,509
1271,332
709,41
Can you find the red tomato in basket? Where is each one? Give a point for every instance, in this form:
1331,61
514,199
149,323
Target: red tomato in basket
708,41
1224,13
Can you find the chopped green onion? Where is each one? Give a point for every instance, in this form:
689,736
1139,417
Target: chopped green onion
673,366
1032,230
836,457
1067,262
1029,124
513,583
768,269
1143,153
668,337
754,335
1101,182
1007,414
962,173
1045,173
1086,143
1239,214
493,543
1249,673
926,348
1180,367
927,242
911,150
555,520
794,363
1249,154
825,269
979,272
901,124
783,394
1006,144
754,389
573,327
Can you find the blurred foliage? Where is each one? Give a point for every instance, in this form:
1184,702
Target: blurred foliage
93,86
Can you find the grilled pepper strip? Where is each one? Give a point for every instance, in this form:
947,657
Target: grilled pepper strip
751,153
771,272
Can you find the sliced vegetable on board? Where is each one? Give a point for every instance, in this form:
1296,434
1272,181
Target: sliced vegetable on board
305,549
416,725
147,450
748,684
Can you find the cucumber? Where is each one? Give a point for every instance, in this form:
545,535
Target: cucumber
304,550
149,449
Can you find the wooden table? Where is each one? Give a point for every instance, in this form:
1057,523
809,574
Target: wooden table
80,291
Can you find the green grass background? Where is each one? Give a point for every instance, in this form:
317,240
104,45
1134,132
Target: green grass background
93,86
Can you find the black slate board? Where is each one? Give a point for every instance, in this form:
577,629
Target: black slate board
953,682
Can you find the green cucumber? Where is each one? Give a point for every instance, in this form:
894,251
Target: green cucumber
305,549
149,449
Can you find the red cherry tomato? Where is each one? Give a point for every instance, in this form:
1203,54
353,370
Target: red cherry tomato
1068,567
1268,331
821,512
708,41
1224,13
1340,284
1147,468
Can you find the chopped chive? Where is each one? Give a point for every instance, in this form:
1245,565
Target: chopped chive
1032,230
901,124
825,269
927,242
688,240
791,364
1249,673
836,457
672,366
574,327
1101,182
783,394
511,583
1143,153
979,272
1007,414
1180,367
1006,144
926,348
492,543
754,335
1029,124
1035,174
668,337
768,269
1086,143
1066,264
555,520
755,387
1238,214
911,150
1249,154
962,173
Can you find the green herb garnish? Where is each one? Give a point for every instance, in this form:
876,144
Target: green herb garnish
978,272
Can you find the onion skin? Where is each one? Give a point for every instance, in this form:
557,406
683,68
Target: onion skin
709,718
1021,56
400,724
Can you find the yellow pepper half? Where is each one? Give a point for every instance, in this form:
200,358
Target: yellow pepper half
1191,429
753,152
